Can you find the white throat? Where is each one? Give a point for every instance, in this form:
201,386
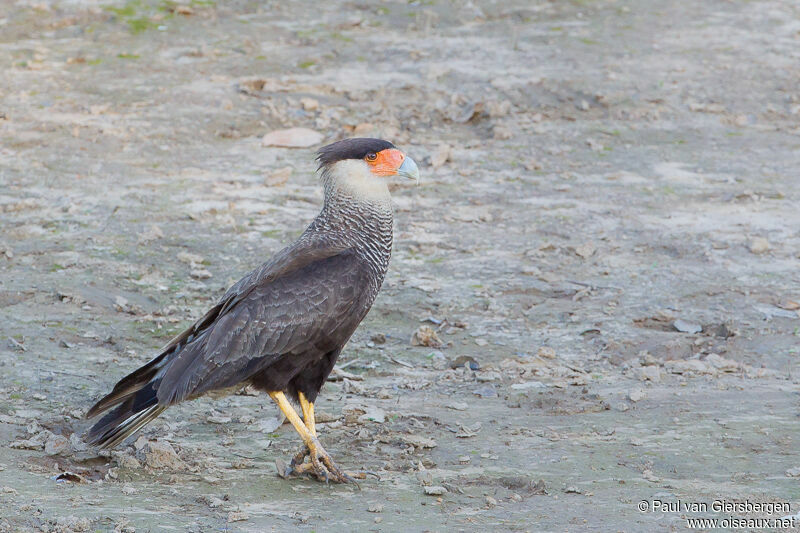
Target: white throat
353,178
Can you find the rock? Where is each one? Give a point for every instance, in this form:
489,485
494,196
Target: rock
465,361
435,490
650,373
687,327
690,366
758,245
586,250
457,406
501,132
636,395
378,338
125,460
190,259
292,138
66,259
73,523
491,502
57,445
528,385
152,234
722,364
441,155
793,472
375,508
546,352
365,129
120,303
237,516
419,441
278,177
485,392
373,414
426,336
160,454
309,104
200,273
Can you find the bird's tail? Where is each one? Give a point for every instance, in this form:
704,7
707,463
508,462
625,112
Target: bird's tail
134,402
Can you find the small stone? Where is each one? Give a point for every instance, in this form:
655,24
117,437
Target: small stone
687,327
636,395
759,245
793,472
292,138
365,129
546,352
457,406
375,508
464,459
56,445
491,502
650,373
418,441
200,273
152,234
426,336
120,303
441,155
309,104
161,454
502,132
435,490
189,258
279,177
586,250
237,516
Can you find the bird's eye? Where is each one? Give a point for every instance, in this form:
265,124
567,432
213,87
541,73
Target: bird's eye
372,156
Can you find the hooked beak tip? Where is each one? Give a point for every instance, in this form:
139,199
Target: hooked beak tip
409,169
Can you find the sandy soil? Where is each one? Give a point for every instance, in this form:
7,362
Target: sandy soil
597,175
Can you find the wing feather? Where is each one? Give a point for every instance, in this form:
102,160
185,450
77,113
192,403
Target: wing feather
312,304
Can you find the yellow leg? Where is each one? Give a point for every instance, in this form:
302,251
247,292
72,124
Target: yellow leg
308,413
321,465
292,416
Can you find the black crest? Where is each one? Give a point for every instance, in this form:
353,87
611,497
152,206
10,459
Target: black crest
355,148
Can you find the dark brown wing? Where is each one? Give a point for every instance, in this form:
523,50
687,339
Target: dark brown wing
304,251
311,306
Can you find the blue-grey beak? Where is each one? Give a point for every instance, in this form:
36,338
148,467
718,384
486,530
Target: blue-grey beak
409,169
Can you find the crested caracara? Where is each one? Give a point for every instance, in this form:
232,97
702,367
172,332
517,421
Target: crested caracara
281,327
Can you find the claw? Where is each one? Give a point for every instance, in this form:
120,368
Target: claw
320,465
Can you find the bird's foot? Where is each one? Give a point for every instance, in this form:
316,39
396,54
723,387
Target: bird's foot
320,465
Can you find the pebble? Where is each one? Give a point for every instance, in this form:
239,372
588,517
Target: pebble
435,490
200,273
292,138
161,454
636,395
759,245
56,445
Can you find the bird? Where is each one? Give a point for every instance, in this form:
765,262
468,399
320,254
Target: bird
282,326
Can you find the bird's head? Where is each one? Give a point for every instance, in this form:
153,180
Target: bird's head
363,166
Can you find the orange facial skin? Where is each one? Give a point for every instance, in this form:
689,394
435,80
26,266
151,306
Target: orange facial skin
386,162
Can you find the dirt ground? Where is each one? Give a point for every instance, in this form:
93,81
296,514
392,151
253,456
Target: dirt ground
604,242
